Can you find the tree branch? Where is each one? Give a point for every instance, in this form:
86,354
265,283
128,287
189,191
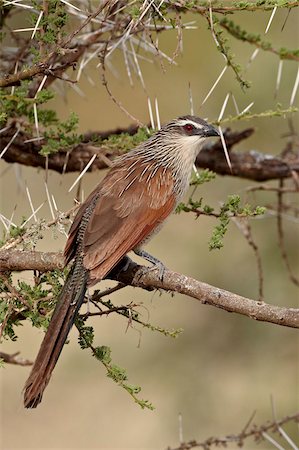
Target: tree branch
137,276
255,431
251,165
15,359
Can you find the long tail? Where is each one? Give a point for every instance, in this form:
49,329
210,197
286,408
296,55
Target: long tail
68,304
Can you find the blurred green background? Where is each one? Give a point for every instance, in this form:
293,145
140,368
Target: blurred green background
223,366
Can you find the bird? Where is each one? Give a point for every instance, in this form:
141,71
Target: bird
127,207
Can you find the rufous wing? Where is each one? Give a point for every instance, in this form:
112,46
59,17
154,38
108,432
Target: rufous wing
132,201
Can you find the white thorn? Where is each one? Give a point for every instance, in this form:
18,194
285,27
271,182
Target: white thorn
32,215
279,72
191,100
37,24
15,71
294,91
235,105
127,64
225,148
41,84
36,119
30,203
223,106
10,142
4,222
4,129
54,202
247,108
157,114
49,201
252,57
150,113
287,438
20,30
137,65
16,3
270,20
83,172
70,5
33,140
273,442
195,170
215,84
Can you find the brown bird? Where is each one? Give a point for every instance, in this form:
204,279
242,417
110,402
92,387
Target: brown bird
127,207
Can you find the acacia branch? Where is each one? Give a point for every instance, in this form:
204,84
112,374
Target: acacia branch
255,431
251,165
15,359
223,9
136,276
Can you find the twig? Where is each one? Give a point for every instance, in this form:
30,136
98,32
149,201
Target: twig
258,432
15,359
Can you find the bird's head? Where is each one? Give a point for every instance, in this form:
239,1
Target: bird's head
190,126
177,143
183,137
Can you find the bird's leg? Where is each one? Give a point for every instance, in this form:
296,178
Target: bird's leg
151,259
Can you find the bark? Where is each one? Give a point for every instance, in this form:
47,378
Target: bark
251,165
134,275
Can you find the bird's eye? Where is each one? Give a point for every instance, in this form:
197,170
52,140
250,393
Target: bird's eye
188,127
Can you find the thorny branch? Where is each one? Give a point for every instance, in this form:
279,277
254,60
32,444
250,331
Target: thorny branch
137,276
251,165
257,432
15,359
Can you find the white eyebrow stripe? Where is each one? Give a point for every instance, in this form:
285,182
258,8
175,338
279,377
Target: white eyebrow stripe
184,122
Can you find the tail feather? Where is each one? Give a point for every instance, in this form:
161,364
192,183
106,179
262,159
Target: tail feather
68,304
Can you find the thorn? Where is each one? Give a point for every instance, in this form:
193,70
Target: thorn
225,149
215,84
270,20
190,99
32,215
30,203
49,201
278,79
137,64
15,71
273,442
36,119
54,202
37,24
10,142
294,91
127,64
157,114
83,172
247,108
252,57
223,106
71,6
150,113
235,105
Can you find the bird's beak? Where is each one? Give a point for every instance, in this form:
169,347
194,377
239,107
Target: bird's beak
210,131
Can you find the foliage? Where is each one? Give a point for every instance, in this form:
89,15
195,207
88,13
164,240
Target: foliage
103,354
231,208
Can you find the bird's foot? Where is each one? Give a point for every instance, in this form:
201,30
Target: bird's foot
157,264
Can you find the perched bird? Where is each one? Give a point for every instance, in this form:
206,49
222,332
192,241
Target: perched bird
126,208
